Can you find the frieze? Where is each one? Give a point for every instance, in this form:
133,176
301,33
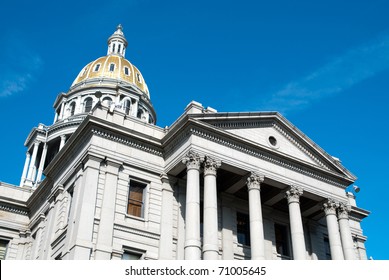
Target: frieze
127,142
264,156
11,209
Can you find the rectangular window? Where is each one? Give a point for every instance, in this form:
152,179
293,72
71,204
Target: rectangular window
243,228
136,198
127,255
327,248
3,249
282,244
111,67
97,67
126,71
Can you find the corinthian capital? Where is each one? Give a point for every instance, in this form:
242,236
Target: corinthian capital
192,160
294,193
254,181
211,165
343,210
330,206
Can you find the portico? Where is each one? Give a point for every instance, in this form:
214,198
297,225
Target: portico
214,236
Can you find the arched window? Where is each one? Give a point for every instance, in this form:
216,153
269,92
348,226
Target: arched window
127,106
151,120
72,108
107,101
88,104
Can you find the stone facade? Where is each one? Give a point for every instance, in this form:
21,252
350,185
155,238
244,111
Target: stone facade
106,183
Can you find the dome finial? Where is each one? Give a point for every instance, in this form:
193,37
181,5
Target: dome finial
117,43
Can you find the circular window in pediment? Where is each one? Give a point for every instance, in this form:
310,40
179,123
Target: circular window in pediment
273,142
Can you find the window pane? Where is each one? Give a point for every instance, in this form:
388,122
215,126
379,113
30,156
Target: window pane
243,228
131,256
281,240
135,199
88,105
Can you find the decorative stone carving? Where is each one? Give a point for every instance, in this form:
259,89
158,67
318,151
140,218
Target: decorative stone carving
211,165
343,210
254,181
294,193
330,206
192,160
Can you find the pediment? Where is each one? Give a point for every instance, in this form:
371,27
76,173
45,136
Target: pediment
272,132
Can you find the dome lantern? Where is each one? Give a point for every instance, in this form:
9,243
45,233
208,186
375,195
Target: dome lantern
117,43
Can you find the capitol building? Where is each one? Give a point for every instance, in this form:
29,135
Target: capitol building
104,182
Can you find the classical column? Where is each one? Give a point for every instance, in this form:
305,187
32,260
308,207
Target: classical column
210,234
25,168
345,232
192,213
296,224
31,169
42,163
257,239
330,207
63,140
166,239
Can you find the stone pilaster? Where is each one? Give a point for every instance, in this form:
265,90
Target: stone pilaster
107,215
166,239
296,224
210,234
257,239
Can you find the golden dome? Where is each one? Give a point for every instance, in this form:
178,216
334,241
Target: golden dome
114,67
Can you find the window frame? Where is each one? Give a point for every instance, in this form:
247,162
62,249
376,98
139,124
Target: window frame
245,231
142,203
286,242
97,67
85,104
133,251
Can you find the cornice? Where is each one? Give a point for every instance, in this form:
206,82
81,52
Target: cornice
275,159
267,123
126,141
137,231
13,209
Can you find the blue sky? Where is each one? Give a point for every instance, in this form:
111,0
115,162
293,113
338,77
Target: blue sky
323,64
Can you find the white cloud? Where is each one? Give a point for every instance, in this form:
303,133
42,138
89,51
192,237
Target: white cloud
336,76
19,68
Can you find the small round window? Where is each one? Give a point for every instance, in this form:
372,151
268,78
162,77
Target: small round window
273,141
